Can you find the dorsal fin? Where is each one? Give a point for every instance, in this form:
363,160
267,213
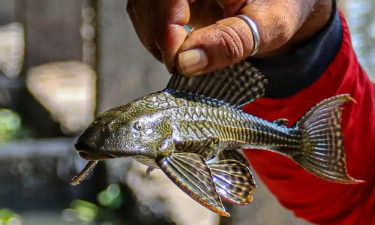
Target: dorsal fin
237,85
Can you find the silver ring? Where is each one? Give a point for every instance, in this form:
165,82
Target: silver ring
254,30
188,30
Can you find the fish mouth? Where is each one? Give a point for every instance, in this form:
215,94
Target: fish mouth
90,156
87,152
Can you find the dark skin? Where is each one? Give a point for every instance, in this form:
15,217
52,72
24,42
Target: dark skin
219,38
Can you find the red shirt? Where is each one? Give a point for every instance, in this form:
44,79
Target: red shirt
309,197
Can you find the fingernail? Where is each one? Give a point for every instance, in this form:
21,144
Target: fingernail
192,61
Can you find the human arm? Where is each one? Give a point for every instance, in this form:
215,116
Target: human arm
298,80
221,39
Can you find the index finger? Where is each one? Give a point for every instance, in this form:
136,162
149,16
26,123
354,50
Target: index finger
168,18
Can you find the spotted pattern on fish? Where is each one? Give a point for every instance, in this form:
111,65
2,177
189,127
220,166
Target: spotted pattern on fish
188,129
206,128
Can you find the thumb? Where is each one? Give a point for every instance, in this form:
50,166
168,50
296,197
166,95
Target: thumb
207,49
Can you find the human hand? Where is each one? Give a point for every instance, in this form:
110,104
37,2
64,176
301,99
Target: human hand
220,38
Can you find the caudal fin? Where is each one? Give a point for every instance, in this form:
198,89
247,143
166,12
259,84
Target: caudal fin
322,141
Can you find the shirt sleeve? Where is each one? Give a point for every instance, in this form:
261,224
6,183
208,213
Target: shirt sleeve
309,197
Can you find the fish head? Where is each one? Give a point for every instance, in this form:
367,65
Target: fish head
131,130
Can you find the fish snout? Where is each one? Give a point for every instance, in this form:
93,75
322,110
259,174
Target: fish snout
89,153
83,149
81,145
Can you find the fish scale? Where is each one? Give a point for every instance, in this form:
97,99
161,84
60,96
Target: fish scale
192,130
230,130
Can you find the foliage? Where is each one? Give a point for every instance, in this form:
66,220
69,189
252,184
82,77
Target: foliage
8,217
10,126
110,197
87,212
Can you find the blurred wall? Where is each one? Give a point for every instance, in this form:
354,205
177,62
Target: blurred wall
126,70
7,9
360,17
52,30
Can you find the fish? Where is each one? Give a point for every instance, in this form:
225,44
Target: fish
195,128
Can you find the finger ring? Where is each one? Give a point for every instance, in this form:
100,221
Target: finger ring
188,30
254,30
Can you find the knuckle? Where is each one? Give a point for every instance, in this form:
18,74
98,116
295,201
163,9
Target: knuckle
231,42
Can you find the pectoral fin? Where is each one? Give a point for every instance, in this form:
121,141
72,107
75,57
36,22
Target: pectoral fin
191,174
233,180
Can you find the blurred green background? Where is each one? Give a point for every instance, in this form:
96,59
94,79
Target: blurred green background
62,62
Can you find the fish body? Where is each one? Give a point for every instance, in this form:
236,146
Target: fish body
193,129
209,129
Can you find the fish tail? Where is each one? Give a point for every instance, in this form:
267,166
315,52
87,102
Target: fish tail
322,141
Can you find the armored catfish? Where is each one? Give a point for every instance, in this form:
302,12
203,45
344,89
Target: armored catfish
193,129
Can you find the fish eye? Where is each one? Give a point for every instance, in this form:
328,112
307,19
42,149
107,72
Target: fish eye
137,126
